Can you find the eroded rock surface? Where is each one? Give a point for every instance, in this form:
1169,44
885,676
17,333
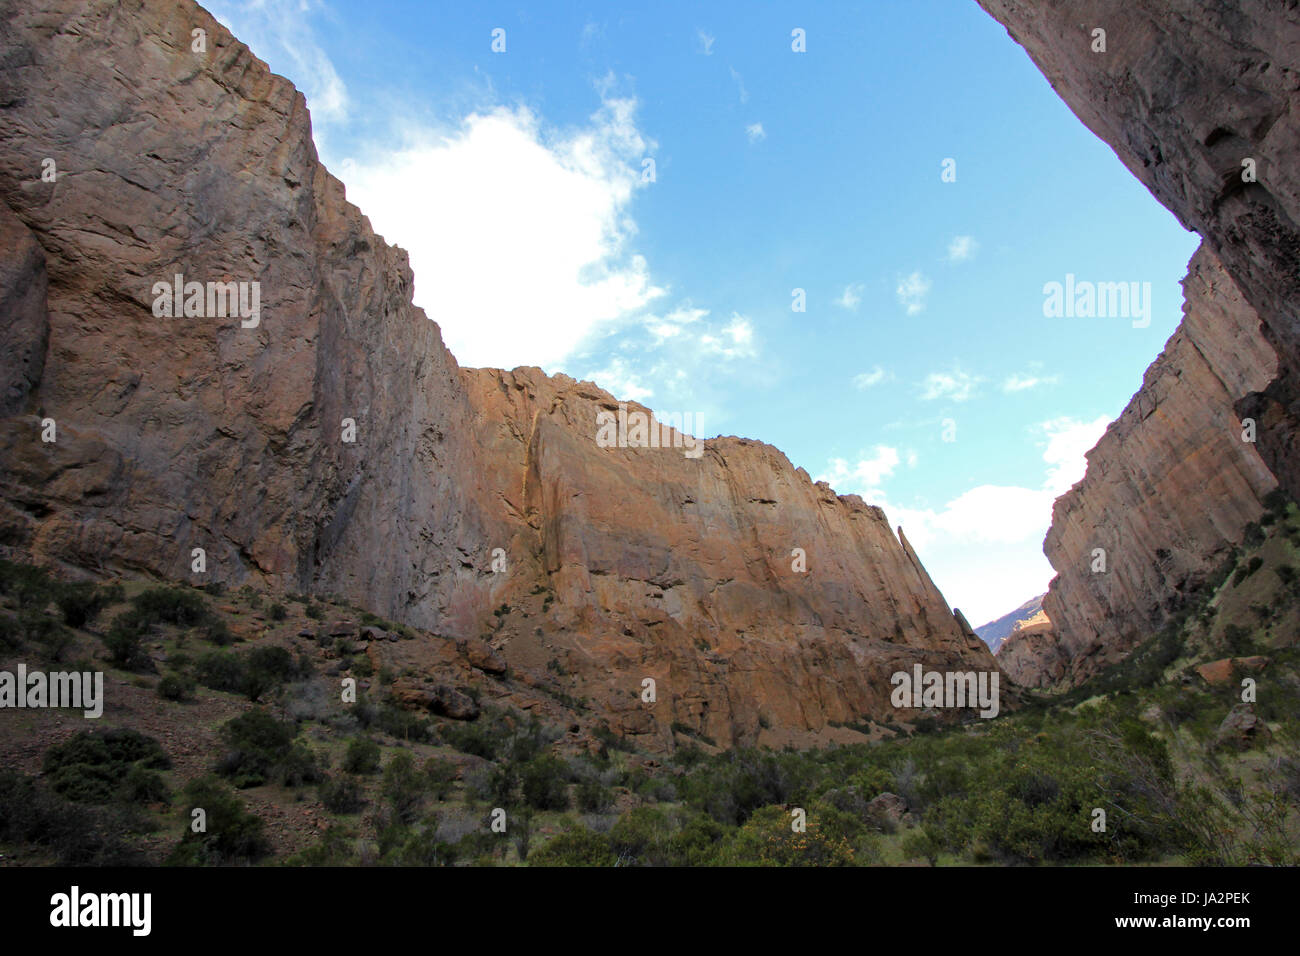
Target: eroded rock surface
334,446
1191,96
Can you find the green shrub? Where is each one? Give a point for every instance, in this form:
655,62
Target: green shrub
403,787
577,847
767,839
593,796
218,632
266,668
220,670
44,630
103,766
341,795
262,749
362,756
276,612
125,641
440,775
175,686
80,602
173,605
31,815
11,632
30,586
544,783
141,785
231,835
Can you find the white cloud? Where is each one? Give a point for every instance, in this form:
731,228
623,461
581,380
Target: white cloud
851,297
735,340
865,476
956,386
755,132
280,34
617,379
912,291
517,233
674,323
962,248
1021,383
740,85
706,42
1068,440
868,379
983,548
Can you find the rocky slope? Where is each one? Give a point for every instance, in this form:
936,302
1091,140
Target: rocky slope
995,632
331,444
1186,93
1031,655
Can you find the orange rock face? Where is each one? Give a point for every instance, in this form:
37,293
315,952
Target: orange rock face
1199,102
334,445
627,564
1169,487
1032,655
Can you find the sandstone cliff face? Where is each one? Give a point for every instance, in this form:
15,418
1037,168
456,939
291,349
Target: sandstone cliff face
211,432
178,433
1184,93
1031,655
633,563
1169,487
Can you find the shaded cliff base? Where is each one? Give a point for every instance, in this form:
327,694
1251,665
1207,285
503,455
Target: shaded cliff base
1250,604
230,701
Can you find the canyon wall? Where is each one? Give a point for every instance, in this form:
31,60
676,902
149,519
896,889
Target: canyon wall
1200,102
332,444
1032,655
1169,487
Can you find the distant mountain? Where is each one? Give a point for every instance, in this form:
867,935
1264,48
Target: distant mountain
995,632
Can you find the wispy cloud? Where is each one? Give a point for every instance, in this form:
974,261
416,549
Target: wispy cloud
955,386
740,85
962,248
282,35
912,291
851,297
735,340
755,132
1021,383
706,41
868,379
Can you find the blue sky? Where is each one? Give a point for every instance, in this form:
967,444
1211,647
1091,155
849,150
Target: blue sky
922,374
